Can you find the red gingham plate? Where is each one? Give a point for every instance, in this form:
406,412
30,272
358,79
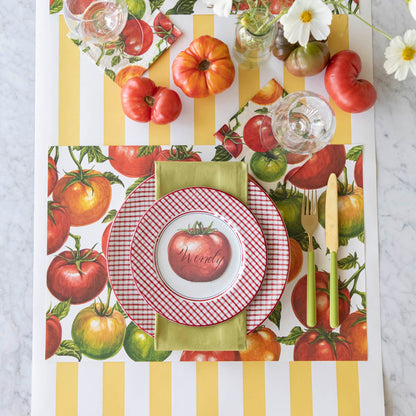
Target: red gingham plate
232,259
125,223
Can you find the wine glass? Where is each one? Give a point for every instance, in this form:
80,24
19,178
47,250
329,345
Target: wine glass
100,22
302,122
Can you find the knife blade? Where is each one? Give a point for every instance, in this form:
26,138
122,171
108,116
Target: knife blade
331,239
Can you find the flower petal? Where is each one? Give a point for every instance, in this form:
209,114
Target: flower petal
410,38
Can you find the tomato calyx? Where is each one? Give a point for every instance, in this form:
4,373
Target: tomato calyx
101,308
204,65
181,152
199,229
77,258
149,100
281,192
332,338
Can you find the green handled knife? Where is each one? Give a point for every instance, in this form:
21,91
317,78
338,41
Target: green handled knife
331,235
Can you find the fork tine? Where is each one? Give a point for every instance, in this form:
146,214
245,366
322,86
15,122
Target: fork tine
303,204
315,198
308,202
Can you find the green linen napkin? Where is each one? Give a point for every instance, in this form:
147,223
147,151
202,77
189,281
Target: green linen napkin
230,177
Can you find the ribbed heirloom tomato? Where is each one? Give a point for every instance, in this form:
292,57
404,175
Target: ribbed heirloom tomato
204,68
178,154
354,329
210,356
143,101
53,335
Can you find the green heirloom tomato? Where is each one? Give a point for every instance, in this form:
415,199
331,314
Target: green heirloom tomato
350,212
99,335
289,204
309,60
139,346
269,166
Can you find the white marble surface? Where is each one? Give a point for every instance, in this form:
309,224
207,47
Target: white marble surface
396,154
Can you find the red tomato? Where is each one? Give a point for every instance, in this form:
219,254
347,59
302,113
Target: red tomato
53,335
133,161
322,301
137,36
210,356
78,6
165,29
178,154
104,239
315,172
52,175
230,140
84,203
294,158
58,226
317,345
349,93
143,101
358,171
199,254
99,333
261,346
79,275
277,5
258,134
354,329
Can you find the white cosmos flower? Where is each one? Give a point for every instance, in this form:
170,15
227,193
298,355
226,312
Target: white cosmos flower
401,55
220,7
411,4
305,17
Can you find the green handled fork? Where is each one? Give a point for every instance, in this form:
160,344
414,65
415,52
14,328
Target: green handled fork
309,220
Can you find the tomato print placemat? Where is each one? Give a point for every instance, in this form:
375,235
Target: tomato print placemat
158,383
145,37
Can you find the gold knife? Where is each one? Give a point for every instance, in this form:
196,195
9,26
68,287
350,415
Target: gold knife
331,237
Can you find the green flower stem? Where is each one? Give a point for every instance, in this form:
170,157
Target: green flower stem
339,4
77,162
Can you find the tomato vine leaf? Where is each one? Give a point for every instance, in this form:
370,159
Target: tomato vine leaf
110,216
69,348
113,179
61,310
361,237
348,262
118,308
276,315
136,183
263,110
115,60
56,6
182,7
110,73
221,154
291,339
303,240
134,59
94,153
156,4
354,153
110,52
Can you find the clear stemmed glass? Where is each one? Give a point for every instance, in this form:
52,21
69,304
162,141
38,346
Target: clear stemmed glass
303,122
102,21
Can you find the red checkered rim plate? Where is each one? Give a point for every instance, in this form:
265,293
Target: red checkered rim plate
125,223
218,308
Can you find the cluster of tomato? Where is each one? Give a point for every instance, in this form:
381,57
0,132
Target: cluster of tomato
77,276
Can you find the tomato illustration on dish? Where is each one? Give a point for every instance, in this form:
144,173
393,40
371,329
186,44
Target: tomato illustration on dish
199,253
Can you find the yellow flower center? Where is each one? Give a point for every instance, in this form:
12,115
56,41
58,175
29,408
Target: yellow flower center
306,16
408,53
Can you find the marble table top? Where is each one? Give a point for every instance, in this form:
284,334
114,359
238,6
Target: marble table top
396,154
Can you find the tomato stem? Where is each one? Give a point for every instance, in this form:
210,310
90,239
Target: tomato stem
149,100
199,229
204,65
77,162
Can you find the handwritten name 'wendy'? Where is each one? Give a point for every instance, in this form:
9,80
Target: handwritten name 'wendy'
199,254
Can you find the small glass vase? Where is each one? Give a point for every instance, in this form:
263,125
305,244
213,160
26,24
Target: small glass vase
253,47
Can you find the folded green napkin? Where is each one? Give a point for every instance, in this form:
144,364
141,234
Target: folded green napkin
229,177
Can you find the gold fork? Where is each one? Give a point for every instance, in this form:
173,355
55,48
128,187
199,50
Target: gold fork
309,220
